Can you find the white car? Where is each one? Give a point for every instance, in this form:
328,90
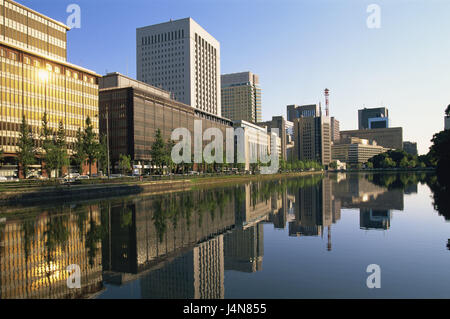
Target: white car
83,177
3,179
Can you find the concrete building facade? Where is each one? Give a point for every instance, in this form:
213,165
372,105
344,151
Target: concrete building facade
296,111
278,122
182,58
312,139
410,148
387,137
241,97
355,150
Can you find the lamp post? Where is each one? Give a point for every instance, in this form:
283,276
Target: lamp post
107,137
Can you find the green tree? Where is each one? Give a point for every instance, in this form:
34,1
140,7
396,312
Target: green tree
90,144
333,165
61,149
27,152
158,150
79,156
125,163
103,153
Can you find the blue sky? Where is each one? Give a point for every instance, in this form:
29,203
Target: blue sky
298,48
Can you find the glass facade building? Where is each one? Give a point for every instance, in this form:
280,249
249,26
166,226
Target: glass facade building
35,78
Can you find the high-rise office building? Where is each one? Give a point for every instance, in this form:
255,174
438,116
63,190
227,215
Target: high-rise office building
241,97
36,79
297,111
335,130
182,58
373,118
312,137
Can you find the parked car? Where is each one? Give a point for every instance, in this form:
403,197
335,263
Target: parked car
3,179
83,177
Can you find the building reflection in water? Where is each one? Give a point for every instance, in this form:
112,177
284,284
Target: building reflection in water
178,245
36,250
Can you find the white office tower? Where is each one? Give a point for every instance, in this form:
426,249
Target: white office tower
182,58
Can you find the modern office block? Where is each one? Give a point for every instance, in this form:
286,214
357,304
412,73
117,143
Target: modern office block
388,137
410,148
313,139
182,58
279,123
241,97
135,110
375,115
297,111
36,79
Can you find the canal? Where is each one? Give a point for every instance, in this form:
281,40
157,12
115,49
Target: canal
308,237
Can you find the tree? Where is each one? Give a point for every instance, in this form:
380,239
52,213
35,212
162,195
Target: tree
61,148
168,154
90,144
27,152
158,150
103,153
49,155
2,154
79,154
125,163
333,165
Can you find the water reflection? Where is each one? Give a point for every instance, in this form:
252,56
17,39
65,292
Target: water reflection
180,245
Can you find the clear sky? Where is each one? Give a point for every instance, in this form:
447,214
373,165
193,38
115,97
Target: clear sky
298,48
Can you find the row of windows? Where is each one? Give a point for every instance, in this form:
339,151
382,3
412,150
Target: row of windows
163,37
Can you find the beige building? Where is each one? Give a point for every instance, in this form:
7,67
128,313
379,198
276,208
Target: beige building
241,97
257,142
181,57
354,150
386,137
312,136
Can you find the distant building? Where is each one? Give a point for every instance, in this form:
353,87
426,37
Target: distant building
354,150
374,219
278,122
312,139
410,148
257,142
373,118
241,97
181,57
135,110
297,111
388,137
335,130
447,123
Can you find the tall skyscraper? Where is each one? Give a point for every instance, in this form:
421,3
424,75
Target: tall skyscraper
241,97
373,118
182,58
36,79
312,137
